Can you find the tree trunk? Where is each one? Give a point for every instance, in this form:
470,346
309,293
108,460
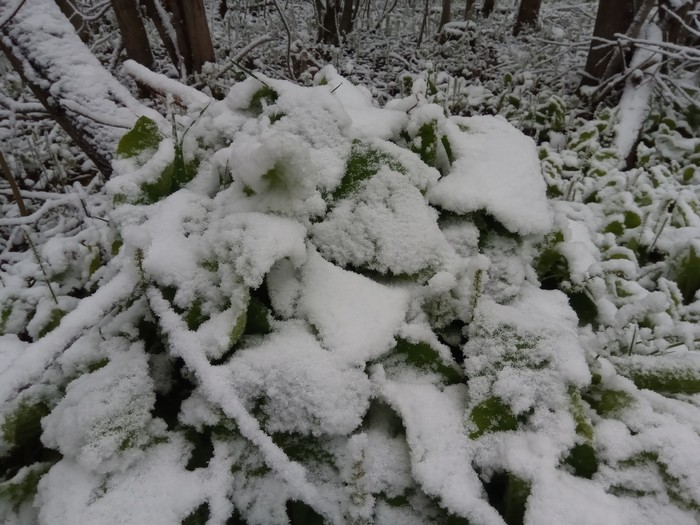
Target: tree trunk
157,17
527,15
75,18
192,30
468,6
133,31
487,8
347,17
445,14
613,16
674,30
328,32
93,108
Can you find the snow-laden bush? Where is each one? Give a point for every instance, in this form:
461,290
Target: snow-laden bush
319,311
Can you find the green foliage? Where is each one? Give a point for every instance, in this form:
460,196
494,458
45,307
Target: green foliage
669,381
238,328
163,185
299,513
4,317
23,425
492,415
582,458
686,273
583,424
257,317
265,96
425,144
423,356
142,137
199,516
302,448
54,320
508,494
22,488
609,402
363,163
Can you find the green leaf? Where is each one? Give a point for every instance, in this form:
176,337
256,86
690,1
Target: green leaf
142,137
425,143
492,415
199,516
24,424
422,355
264,96
162,187
686,273
257,318
583,425
609,402
54,320
582,458
363,163
23,487
299,513
238,328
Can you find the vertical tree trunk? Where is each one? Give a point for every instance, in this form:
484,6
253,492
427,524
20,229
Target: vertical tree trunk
613,16
133,31
347,17
328,31
487,8
156,17
468,6
445,14
192,30
527,15
674,31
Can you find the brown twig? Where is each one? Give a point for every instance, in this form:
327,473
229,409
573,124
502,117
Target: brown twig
13,185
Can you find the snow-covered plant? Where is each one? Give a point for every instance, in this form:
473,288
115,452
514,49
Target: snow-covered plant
320,311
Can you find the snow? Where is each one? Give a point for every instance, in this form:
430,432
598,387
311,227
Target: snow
356,317
496,170
634,105
395,318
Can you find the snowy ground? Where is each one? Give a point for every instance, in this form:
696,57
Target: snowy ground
297,305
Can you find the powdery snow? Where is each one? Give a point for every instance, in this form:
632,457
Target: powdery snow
496,170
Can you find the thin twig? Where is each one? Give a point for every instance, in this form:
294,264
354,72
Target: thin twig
13,185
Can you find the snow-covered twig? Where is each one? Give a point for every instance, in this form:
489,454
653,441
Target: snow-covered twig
184,96
5,19
185,344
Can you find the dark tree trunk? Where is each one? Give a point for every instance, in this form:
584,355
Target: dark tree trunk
68,9
487,8
527,15
133,31
328,32
347,17
170,46
468,6
445,14
613,16
674,31
192,30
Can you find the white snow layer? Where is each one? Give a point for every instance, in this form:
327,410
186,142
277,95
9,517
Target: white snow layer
496,170
352,365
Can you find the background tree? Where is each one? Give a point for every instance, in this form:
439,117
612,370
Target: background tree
527,15
193,37
133,31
